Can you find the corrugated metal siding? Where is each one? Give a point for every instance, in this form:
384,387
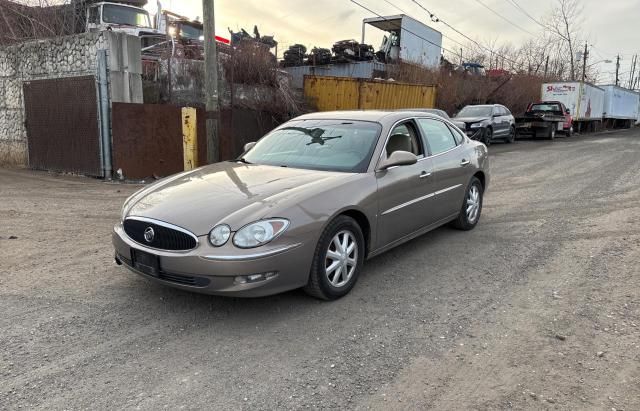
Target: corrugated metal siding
338,93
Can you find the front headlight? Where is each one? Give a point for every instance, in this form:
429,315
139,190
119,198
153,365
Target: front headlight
477,125
219,235
260,232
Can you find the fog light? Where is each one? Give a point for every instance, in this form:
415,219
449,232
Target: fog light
254,278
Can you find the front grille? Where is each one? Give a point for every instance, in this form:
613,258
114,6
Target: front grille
184,279
171,277
164,238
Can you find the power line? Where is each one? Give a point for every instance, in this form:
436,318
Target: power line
504,18
394,6
519,7
399,27
435,19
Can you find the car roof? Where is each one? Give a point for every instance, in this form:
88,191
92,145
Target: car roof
380,116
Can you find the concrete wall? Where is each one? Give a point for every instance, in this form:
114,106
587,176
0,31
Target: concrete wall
61,57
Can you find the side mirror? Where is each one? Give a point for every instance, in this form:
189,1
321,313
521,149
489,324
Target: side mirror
568,111
496,115
399,158
249,146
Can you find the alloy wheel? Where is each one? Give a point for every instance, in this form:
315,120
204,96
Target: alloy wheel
342,258
473,204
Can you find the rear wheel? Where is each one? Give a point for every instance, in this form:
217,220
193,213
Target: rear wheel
337,261
512,135
471,206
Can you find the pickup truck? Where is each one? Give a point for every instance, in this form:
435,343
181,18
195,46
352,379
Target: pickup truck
545,119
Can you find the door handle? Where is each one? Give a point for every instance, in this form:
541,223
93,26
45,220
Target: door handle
465,162
424,174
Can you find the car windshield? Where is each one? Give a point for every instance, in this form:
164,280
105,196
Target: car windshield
190,32
332,145
475,111
128,16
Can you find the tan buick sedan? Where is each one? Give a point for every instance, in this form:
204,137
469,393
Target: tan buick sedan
305,205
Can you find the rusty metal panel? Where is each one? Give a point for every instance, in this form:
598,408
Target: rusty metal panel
241,126
62,125
335,93
147,140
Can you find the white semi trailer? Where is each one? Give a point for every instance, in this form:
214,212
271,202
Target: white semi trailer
620,106
584,101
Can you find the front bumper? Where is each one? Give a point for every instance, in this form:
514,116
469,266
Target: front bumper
212,270
475,133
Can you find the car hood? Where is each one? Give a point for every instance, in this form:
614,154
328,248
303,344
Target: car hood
471,119
200,199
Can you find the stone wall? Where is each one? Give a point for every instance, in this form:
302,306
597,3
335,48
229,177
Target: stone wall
68,56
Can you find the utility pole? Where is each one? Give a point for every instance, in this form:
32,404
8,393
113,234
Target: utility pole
633,71
584,61
211,81
461,57
617,70
546,67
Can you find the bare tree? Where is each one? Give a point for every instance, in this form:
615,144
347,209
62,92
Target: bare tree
32,19
564,22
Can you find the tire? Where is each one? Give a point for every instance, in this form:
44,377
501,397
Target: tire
331,285
569,132
488,135
512,136
467,221
551,132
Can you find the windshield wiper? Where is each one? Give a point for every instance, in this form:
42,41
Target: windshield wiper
243,160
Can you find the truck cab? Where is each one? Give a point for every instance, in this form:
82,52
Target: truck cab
119,17
556,108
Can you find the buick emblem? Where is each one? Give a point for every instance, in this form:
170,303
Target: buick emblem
149,234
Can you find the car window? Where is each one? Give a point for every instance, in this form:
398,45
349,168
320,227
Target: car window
457,134
438,135
506,111
498,111
404,138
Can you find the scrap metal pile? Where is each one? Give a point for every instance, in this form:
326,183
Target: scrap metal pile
344,51
267,42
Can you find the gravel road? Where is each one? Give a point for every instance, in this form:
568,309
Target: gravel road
538,307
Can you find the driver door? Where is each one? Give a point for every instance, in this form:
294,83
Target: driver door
496,122
405,193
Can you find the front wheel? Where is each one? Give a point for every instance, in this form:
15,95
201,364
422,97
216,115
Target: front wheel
337,261
551,133
488,135
569,132
471,206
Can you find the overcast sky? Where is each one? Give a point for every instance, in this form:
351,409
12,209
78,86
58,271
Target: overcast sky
612,26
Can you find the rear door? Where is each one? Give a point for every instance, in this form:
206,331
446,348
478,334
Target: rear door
451,168
405,193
